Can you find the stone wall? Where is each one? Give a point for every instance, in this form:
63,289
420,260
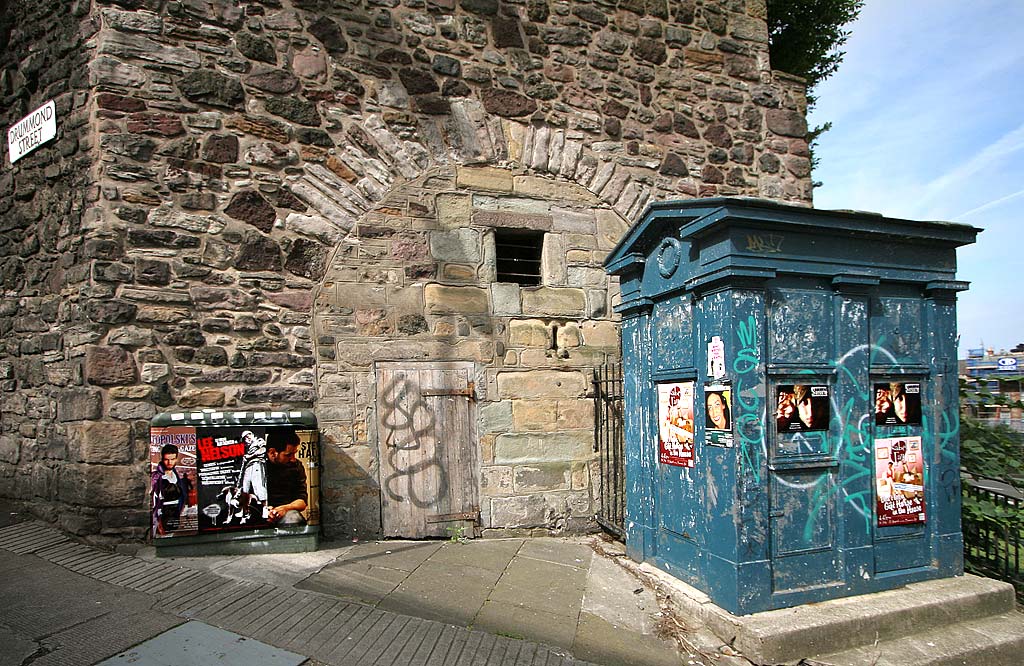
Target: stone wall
51,427
432,295
251,202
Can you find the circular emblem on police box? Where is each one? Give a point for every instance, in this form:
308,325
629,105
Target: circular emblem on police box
668,256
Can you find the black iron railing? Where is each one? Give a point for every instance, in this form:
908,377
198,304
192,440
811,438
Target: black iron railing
993,528
608,443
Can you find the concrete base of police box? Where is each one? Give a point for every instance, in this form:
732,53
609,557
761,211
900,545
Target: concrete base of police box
258,542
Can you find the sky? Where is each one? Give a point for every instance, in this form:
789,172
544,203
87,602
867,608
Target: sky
927,113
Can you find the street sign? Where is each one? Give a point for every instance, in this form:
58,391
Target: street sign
32,131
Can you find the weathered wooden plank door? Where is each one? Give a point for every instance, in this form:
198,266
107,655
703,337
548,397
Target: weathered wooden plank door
427,448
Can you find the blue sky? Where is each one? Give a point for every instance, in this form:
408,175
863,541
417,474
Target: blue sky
927,111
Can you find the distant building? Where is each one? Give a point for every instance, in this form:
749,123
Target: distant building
994,385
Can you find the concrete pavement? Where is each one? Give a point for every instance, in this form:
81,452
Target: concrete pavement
538,601
557,592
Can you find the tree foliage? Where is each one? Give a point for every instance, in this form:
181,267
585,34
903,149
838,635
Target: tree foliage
805,36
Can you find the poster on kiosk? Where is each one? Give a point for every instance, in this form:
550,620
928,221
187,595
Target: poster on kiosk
206,479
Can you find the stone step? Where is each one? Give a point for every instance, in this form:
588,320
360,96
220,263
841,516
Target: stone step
787,634
992,641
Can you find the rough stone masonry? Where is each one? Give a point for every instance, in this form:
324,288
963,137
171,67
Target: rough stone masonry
252,203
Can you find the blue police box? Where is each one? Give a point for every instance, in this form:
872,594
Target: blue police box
791,399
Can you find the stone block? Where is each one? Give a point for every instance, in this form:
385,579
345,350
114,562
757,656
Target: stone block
132,411
529,333
574,221
600,334
578,257
108,366
457,246
505,219
555,302
552,260
611,227
103,442
121,518
453,210
102,485
505,299
580,476
541,384
10,449
441,299
509,204
79,405
539,509
495,417
78,523
513,448
484,178
597,301
574,414
341,466
546,188
584,276
786,122
548,476
568,336
130,392
201,398
496,481
534,415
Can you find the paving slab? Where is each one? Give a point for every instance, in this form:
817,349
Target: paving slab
608,644
486,554
558,551
516,621
278,569
199,644
16,647
540,585
440,591
357,580
400,555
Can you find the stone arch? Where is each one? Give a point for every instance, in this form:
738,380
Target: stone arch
378,160
413,278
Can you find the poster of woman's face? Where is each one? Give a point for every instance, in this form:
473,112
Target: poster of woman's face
717,415
802,407
898,403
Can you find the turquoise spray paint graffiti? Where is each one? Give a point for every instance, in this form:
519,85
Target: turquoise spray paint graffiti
749,406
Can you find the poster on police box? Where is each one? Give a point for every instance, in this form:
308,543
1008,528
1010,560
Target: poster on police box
899,481
675,424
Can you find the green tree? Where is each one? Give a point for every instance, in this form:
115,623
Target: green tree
804,37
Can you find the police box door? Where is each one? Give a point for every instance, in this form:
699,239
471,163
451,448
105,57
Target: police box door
804,471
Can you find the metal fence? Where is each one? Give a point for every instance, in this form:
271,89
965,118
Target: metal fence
993,528
608,443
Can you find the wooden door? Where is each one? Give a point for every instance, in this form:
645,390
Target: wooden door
427,448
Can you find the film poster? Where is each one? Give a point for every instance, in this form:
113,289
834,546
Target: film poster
802,408
173,488
675,424
232,477
308,455
899,481
718,413
898,403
